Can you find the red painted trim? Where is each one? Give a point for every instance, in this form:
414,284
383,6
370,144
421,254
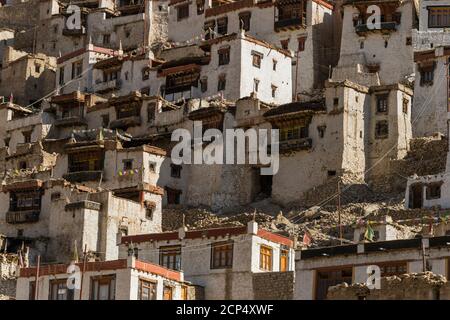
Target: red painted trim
158,270
207,233
53,269
325,4
275,238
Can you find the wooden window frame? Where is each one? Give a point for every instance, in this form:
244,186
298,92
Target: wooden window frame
443,11
265,258
382,103
147,284
171,252
245,20
224,56
58,282
110,279
218,249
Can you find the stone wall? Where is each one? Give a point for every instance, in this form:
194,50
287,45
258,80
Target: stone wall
20,16
427,156
415,286
273,285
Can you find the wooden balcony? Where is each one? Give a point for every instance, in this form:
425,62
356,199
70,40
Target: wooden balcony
80,176
287,146
71,121
289,24
385,27
28,216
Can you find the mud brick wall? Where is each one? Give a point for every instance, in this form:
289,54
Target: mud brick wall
273,285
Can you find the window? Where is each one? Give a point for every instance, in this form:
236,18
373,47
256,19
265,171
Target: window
32,290
301,43
146,73
224,56
147,290
382,103
200,6
37,68
103,288
405,105
61,76
293,133
265,258
105,120
222,26
256,59
26,136
204,84
274,65
361,45
77,68
168,293
284,260
127,164
182,12
145,91
329,278
393,269
438,17
331,173
336,102
433,190
25,200
427,73
175,171
170,257
59,290
86,161
221,84
106,39
244,21
284,44
152,167
55,196
22,165
184,293
409,41
208,28
255,85
381,129
321,130
221,255
274,91
173,196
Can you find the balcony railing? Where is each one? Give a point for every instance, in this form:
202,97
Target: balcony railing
105,86
295,145
71,121
74,32
125,122
27,216
80,176
384,26
286,23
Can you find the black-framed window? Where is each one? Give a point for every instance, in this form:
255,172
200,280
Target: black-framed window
175,171
170,257
182,12
382,129
382,103
147,290
224,56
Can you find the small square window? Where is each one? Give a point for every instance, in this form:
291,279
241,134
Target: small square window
284,44
256,60
127,164
152,167
175,171
381,129
331,173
